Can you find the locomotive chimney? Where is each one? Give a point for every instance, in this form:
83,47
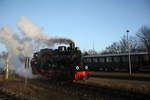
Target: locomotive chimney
72,45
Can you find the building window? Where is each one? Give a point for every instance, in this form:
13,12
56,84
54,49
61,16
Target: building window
85,60
125,59
89,60
134,58
101,60
116,59
108,59
95,60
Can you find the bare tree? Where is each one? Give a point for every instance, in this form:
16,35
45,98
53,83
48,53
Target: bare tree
113,48
84,53
131,44
144,35
122,45
90,52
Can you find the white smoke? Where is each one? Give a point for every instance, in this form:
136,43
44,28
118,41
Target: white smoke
34,32
24,44
30,30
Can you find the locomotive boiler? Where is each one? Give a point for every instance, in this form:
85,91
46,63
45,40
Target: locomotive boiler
64,63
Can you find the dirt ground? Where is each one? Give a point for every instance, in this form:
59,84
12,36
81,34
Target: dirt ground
44,91
34,88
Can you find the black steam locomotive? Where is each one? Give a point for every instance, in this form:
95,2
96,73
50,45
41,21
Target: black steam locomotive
64,63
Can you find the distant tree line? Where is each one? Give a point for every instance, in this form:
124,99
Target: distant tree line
138,43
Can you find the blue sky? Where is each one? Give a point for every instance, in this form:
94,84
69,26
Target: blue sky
84,21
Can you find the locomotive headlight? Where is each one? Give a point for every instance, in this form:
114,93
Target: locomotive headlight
77,67
86,67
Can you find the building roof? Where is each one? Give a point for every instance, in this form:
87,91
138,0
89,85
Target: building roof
119,54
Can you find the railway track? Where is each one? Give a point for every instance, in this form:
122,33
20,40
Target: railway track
6,96
94,92
9,95
97,93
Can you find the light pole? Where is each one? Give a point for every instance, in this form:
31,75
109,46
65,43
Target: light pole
129,53
147,41
147,51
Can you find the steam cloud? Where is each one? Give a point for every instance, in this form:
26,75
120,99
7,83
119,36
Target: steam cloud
35,33
22,45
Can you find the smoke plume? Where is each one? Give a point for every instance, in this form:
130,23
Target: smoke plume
26,42
34,32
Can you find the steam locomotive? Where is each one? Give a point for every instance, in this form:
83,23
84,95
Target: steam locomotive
64,63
